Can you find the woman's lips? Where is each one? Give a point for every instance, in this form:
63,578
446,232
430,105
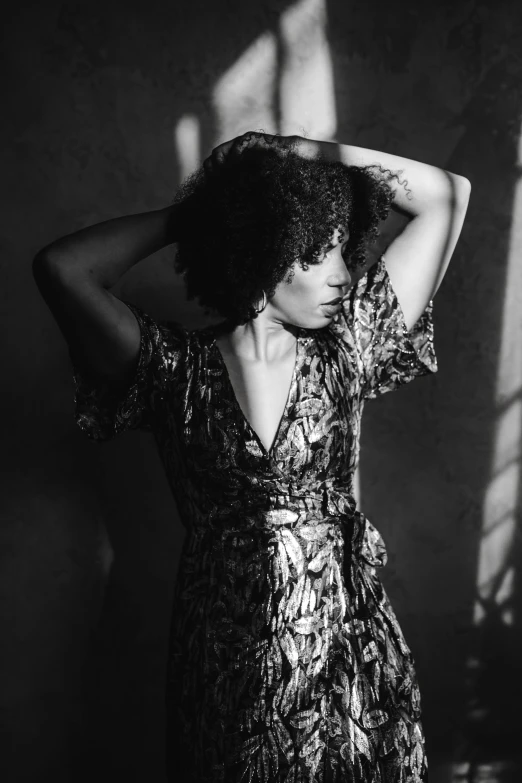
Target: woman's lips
338,299
332,309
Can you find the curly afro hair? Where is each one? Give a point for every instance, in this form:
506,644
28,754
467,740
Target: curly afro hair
242,229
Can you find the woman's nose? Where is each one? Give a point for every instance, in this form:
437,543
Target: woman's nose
342,281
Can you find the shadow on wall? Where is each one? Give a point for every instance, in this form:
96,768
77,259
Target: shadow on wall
493,647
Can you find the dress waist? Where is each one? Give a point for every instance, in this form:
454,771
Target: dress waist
284,506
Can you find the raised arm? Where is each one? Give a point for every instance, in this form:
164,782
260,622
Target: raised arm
73,275
435,201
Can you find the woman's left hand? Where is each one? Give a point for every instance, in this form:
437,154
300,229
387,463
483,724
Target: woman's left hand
234,147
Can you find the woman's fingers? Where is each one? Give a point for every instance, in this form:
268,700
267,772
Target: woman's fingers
217,157
241,143
220,153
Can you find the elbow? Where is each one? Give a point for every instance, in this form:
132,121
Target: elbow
42,257
464,188
453,190
461,190
47,266
46,257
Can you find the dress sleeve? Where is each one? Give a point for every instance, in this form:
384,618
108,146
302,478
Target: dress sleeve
388,354
100,413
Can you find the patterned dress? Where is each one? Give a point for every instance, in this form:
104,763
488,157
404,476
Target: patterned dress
286,662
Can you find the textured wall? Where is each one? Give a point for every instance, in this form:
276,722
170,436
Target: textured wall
92,93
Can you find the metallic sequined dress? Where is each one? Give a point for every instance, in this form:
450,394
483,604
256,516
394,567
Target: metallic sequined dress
286,663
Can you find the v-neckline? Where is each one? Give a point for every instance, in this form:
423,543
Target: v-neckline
266,452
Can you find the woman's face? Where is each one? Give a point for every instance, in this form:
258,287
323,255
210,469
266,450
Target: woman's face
304,300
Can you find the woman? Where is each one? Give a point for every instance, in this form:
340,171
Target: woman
286,660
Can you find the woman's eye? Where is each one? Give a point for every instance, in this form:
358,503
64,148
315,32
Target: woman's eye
344,248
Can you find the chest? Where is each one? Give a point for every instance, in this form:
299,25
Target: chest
261,391
236,424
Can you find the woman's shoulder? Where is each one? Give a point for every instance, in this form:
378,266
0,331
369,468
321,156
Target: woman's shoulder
332,343
194,339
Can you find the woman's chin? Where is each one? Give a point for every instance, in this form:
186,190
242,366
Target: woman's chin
314,320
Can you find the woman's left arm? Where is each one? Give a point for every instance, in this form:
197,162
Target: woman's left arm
435,200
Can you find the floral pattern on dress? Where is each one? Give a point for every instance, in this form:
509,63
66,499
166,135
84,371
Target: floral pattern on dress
286,661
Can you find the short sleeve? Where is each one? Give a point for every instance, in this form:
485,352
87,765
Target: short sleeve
100,413
388,354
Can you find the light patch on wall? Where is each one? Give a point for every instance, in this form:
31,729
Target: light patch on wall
468,772
495,572
307,82
187,144
243,96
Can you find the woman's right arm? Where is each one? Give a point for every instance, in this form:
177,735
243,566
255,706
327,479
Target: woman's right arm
73,275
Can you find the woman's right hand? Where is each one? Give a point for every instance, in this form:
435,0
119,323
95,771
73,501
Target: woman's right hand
234,147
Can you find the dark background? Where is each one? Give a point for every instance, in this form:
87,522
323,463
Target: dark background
92,95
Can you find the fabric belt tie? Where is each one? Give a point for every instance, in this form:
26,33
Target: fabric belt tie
363,544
